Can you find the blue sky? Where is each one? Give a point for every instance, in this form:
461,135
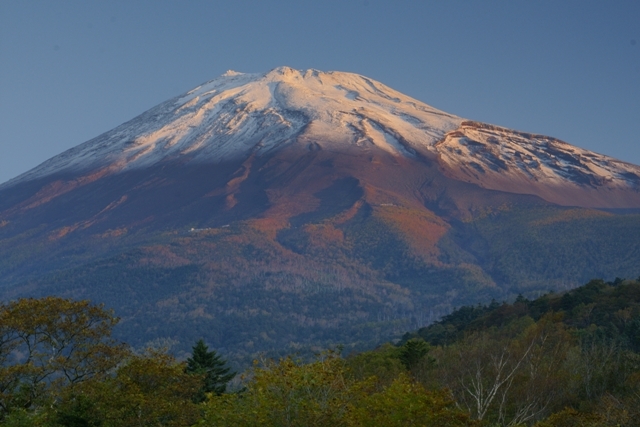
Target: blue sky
71,70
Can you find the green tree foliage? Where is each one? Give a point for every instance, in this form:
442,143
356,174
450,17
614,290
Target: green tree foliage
557,361
570,417
148,390
614,309
287,393
211,367
382,363
50,343
407,403
509,376
414,353
59,366
324,393
513,364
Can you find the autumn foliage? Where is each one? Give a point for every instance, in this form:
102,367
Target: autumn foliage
561,360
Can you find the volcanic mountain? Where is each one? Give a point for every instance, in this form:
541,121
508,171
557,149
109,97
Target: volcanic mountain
303,207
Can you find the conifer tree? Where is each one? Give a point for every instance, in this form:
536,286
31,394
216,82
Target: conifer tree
212,367
413,352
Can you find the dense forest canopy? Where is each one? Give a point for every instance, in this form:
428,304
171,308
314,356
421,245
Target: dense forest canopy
559,360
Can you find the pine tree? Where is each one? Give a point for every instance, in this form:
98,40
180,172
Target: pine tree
209,364
413,352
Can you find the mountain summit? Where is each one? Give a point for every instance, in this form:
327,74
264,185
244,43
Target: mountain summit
240,115
298,208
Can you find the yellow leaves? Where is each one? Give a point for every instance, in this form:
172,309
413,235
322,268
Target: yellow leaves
407,403
289,394
323,393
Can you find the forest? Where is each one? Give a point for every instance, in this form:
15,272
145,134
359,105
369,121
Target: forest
283,285
563,359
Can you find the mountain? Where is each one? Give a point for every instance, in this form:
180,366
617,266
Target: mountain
297,208
239,115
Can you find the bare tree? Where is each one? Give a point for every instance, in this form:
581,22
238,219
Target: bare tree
508,377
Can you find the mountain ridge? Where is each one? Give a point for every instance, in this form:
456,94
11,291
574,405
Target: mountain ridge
251,105
238,115
361,219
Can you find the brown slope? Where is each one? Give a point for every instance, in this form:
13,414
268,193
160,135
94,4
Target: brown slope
304,246
296,185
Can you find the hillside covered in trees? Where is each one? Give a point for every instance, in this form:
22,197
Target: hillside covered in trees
357,278
570,359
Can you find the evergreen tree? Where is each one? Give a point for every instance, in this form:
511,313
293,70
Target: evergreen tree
413,352
212,367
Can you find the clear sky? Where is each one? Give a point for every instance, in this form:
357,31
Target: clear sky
71,70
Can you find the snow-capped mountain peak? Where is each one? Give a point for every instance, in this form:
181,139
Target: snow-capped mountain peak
242,115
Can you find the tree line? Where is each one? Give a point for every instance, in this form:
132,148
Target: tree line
559,360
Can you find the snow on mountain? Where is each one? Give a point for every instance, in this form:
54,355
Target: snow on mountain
237,115
503,159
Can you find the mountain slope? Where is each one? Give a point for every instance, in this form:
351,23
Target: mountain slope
302,207
502,159
241,114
